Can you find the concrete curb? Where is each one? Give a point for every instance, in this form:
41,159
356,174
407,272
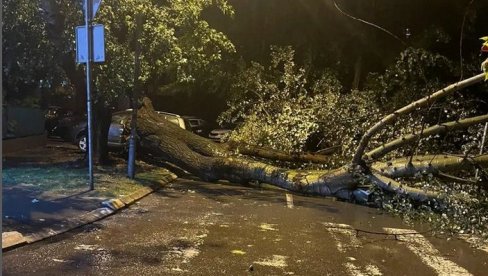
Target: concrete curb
15,239
12,239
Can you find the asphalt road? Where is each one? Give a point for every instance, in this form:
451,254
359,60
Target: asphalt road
197,228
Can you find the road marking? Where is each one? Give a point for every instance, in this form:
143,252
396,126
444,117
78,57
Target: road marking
373,270
429,255
275,261
353,270
267,227
337,231
289,201
369,270
477,243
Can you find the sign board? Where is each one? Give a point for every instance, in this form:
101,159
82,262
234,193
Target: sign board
95,5
98,44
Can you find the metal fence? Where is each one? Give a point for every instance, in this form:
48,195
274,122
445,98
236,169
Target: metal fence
22,122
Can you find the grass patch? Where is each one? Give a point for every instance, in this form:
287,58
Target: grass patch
45,178
62,180
116,185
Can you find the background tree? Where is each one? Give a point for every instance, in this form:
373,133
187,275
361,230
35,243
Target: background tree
278,106
27,52
176,44
178,48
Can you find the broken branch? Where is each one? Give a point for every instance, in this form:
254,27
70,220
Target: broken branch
390,118
433,130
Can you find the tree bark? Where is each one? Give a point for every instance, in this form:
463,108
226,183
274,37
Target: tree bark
427,164
391,185
267,153
101,125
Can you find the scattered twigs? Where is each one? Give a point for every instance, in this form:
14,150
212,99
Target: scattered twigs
348,227
453,178
329,150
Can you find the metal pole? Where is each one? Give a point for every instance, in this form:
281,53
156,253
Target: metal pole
131,166
89,37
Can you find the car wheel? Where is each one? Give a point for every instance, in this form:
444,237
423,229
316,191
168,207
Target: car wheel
82,143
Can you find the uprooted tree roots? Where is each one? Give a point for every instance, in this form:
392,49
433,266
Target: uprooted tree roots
211,161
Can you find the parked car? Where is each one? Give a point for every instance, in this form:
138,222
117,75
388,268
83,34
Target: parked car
59,120
197,125
117,138
174,118
219,135
51,118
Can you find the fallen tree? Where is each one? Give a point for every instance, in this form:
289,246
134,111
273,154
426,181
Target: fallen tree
211,161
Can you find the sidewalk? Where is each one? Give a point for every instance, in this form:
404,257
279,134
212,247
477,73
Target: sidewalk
45,192
27,211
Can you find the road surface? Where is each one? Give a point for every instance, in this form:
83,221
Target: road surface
197,228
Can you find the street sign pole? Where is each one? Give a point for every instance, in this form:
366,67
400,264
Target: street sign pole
131,162
89,31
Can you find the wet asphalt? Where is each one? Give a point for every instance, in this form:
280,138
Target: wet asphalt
29,210
197,228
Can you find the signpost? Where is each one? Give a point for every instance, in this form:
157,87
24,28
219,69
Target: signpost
98,44
131,163
95,5
90,47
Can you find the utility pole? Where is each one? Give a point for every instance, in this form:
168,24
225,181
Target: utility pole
131,166
89,38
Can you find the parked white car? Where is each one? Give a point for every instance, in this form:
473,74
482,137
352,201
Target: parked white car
219,135
116,137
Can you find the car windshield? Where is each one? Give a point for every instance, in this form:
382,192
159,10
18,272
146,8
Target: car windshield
174,120
194,122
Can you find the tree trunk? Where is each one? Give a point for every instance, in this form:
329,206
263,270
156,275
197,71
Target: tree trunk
278,155
103,115
212,161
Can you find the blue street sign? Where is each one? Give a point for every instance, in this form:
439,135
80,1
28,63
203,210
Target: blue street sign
98,44
96,5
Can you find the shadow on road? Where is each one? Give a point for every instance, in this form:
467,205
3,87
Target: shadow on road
228,192
27,210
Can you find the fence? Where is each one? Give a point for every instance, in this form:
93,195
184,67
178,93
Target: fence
22,122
